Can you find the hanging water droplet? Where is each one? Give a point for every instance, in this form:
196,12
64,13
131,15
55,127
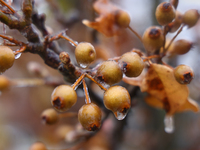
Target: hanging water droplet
83,65
18,55
120,115
169,124
185,28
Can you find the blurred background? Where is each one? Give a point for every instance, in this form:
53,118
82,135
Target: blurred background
143,128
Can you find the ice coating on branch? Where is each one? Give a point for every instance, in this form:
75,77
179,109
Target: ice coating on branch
18,55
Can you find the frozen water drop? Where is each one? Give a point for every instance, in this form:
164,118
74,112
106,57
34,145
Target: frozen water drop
72,44
76,43
120,115
18,55
185,28
169,124
83,65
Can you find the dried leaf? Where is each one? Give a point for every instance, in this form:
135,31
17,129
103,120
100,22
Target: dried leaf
106,22
161,84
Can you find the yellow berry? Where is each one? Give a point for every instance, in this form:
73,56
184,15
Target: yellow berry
165,13
109,72
49,116
131,64
85,54
89,116
63,97
118,100
122,18
183,74
190,17
153,39
7,58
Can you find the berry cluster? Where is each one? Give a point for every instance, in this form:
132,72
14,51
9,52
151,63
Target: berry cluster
155,77
116,98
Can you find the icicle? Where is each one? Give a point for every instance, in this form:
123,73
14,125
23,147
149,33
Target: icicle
169,124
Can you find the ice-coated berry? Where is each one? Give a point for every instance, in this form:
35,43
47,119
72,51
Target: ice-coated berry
7,58
89,115
117,99
131,64
85,54
63,97
109,72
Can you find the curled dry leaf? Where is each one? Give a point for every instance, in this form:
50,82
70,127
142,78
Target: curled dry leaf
106,23
165,92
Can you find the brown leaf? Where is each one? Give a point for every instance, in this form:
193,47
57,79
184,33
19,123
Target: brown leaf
106,22
165,91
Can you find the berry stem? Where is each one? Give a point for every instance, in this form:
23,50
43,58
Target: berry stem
22,49
91,78
75,85
68,39
179,31
68,115
88,101
11,39
151,57
139,37
8,6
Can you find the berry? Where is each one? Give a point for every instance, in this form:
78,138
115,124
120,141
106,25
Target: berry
131,64
176,23
63,97
85,54
4,83
190,17
49,116
122,18
165,13
89,115
183,74
109,72
117,99
38,146
153,39
180,47
7,58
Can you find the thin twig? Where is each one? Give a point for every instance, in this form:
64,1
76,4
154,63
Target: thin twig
151,57
8,6
179,31
91,78
12,40
87,97
139,37
22,49
68,39
74,86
